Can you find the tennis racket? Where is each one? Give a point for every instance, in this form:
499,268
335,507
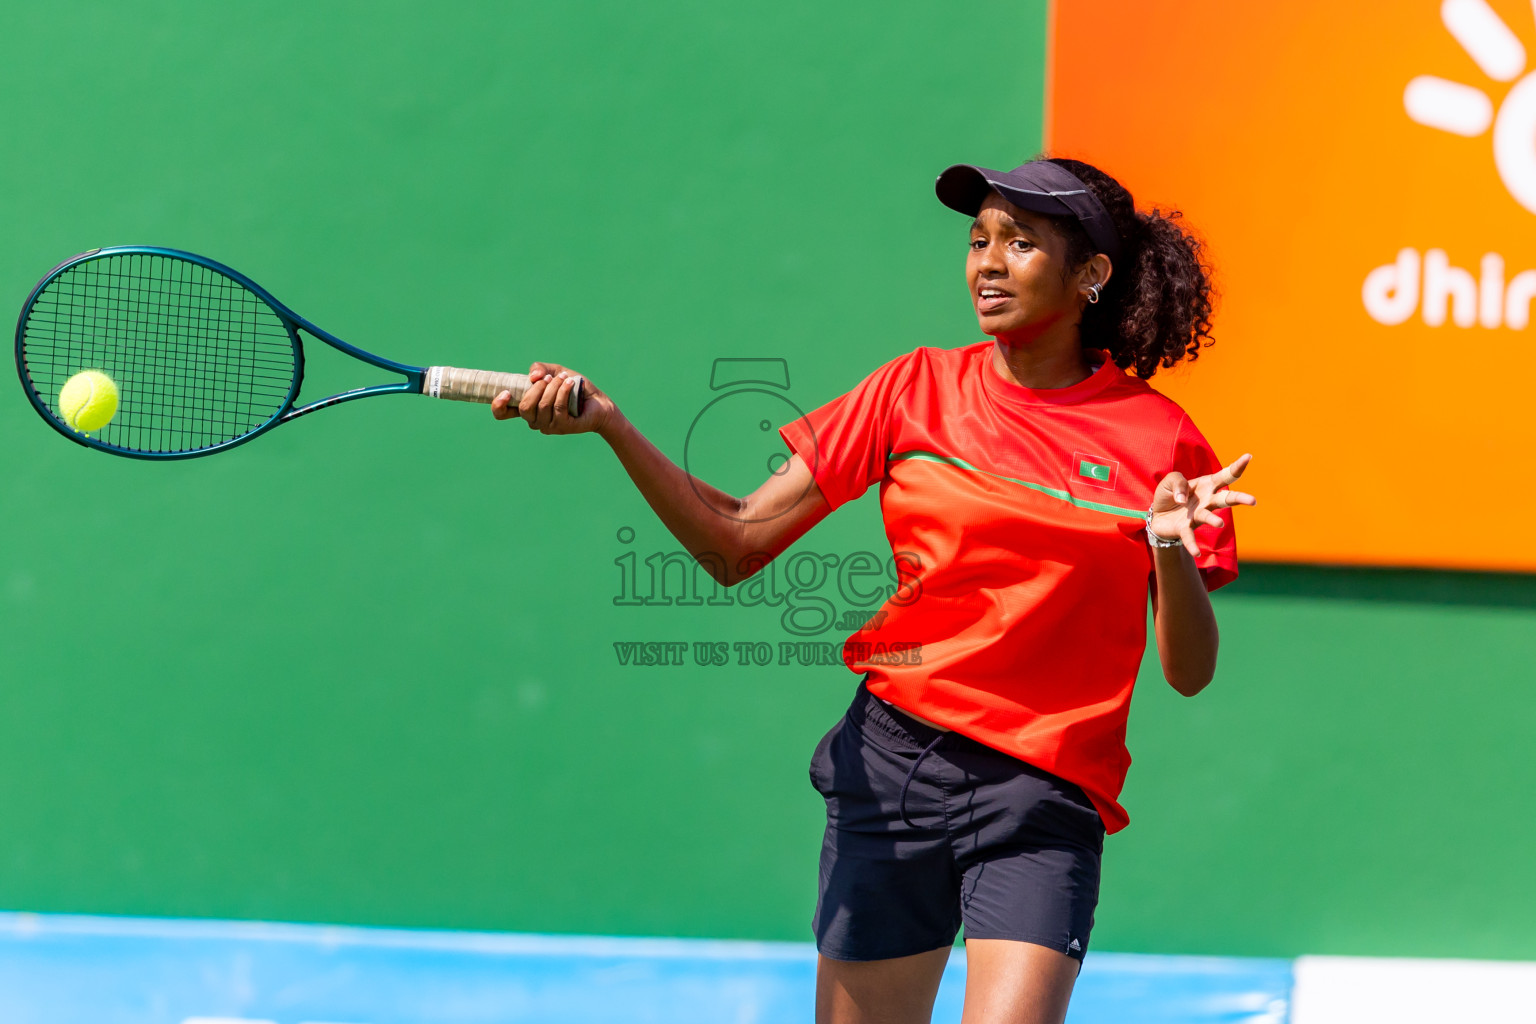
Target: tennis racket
204,358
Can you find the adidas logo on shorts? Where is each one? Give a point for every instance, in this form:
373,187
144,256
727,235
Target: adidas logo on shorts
1075,946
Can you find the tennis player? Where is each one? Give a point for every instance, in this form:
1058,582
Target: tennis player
1039,492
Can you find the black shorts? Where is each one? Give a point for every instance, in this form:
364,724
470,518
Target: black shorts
1007,849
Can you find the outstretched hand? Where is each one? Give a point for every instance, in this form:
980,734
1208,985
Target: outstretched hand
1179,505
545,405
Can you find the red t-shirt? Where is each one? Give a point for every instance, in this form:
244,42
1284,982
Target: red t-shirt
1016,519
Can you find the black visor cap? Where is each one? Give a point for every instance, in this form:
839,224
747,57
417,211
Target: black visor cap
1038,186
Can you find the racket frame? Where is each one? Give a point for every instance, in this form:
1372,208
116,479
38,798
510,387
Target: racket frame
412,384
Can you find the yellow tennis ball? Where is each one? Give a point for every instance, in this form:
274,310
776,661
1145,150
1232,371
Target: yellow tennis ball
88,401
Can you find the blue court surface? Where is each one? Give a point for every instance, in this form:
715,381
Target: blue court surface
65,969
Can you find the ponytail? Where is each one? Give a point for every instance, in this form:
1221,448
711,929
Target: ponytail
1156,308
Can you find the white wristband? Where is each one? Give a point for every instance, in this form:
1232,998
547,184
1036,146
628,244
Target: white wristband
1160,542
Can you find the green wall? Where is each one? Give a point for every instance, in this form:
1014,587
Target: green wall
1357,780
364,669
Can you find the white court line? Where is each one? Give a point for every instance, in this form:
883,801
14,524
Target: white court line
1372,990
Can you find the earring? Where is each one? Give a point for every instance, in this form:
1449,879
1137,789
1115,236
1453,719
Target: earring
1093,292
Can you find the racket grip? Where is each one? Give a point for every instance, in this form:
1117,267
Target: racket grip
460,385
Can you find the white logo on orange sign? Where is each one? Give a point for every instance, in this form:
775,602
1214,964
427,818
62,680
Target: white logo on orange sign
1391,293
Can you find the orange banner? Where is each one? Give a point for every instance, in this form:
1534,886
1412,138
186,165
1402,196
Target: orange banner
1364,174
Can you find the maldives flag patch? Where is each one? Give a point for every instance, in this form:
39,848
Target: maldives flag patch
1095,469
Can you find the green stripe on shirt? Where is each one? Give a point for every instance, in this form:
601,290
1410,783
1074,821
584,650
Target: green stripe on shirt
1060,495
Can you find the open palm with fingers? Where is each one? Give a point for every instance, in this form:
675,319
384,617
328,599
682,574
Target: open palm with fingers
1180,504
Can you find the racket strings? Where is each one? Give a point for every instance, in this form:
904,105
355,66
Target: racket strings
199,359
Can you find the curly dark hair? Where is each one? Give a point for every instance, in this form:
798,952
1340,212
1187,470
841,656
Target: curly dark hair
1156,309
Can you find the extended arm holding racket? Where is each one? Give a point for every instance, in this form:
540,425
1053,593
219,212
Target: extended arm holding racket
743,534
731,537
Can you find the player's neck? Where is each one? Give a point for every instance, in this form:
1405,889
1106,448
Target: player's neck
1041,362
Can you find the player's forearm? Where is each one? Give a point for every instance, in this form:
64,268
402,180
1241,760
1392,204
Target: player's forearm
704,519
1185,624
